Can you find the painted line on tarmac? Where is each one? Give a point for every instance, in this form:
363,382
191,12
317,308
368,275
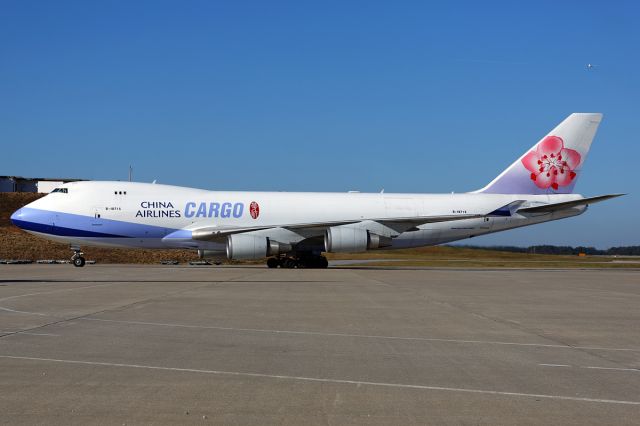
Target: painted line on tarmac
17,332
15,311
56,291
18,296
332,381
635,370
362,336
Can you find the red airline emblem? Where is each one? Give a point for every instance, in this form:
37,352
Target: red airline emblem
254,210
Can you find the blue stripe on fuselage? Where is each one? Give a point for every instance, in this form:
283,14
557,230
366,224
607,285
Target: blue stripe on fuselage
73,225
58,230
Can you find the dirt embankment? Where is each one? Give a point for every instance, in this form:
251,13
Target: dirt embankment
17,244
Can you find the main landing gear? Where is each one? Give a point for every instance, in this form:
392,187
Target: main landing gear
299,261
77,259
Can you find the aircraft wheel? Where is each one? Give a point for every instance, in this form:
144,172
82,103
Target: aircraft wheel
320,262
272,262
78,262
289,263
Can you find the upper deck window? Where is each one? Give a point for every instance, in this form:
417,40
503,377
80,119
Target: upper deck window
63,190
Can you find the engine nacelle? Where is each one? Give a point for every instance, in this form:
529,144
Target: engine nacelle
245,247
210,254
345,239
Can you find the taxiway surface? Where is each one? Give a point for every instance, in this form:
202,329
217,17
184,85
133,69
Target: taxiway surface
113,344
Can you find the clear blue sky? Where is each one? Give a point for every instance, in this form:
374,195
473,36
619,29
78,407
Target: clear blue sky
323,96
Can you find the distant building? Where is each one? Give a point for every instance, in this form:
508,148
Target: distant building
7,184
23,184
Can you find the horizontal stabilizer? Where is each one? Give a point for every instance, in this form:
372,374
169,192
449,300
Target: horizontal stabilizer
547,208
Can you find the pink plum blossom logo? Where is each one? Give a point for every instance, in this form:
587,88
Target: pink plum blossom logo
254,210
551,164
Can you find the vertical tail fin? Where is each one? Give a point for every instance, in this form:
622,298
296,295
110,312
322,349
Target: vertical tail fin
553,165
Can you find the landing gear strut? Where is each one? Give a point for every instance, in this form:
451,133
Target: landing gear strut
77,259
298,261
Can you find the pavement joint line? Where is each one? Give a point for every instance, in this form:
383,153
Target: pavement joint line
61,320
326,380
56,291
363,336
104,284
374,267
637,370
15,311
506,322
16,332
555,365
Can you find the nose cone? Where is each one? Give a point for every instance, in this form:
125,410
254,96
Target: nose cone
32,219
18,217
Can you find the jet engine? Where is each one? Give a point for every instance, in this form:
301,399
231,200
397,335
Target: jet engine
344,239
245,247
210,254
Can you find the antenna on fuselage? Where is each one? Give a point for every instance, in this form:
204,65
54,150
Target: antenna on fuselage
130,173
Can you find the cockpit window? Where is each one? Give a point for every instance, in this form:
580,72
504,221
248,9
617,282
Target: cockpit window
63,190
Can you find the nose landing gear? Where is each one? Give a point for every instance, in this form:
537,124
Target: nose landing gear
77,259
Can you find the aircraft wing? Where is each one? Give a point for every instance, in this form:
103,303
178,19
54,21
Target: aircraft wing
408,223
216,233
548,208
219,234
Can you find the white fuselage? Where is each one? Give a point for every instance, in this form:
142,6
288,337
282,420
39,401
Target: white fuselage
127,214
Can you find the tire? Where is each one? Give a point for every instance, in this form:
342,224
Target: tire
289,263
272,262
317,262
79,262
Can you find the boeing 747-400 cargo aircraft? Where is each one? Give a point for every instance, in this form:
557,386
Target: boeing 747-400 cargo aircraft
293,229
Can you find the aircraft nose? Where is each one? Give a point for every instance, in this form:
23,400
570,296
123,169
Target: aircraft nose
18,217
31,219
